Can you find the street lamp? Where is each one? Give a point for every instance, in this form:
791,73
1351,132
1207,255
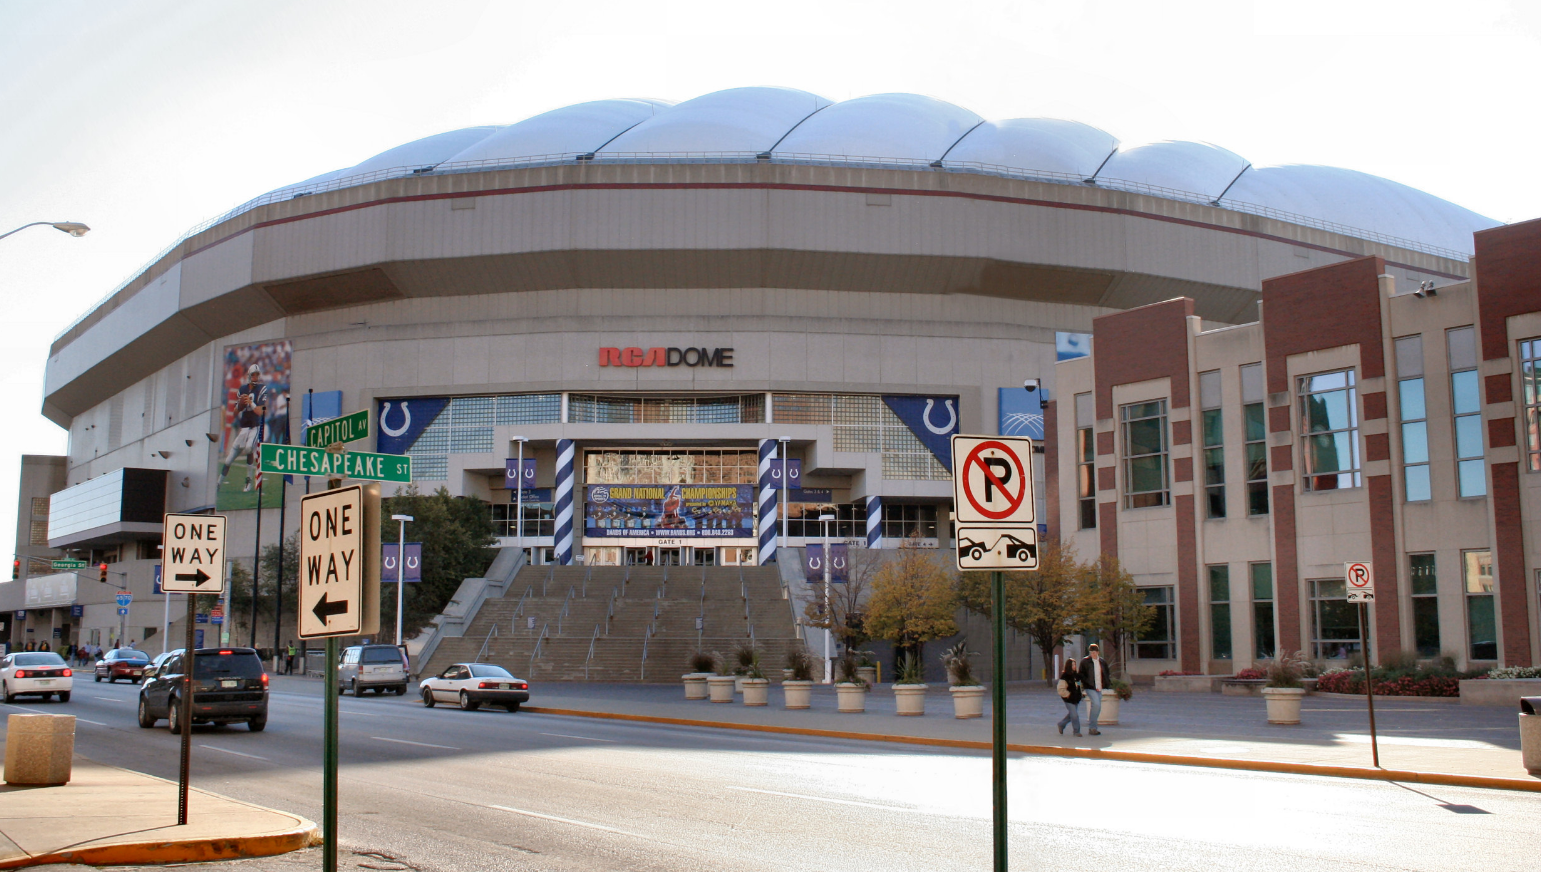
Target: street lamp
519,494
829,614
401,568
73,228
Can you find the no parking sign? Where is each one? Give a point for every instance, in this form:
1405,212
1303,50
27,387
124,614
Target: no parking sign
1359,579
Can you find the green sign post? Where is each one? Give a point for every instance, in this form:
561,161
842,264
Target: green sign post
69,564
348,428
301,460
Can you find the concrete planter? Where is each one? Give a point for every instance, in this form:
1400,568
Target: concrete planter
1242,686
868,674
756,691
695,684
852,697
1108,717
39,749
738,683
968,701
1185,683
1530,743
1498,691
720,687
910,699
1283,704
799,694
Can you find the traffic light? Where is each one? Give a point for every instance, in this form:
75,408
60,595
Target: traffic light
16,569
102,573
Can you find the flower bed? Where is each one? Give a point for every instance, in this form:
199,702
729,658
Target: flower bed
1176,672
1352,681
1251,673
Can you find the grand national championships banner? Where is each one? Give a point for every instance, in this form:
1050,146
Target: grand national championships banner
669,511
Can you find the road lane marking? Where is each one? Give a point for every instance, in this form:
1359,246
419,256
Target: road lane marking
899,808
42,712
420,744
562,820
110,698
584,738
236,753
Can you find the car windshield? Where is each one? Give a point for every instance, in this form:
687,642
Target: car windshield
44,658
381,655
128,654
483,670
228,666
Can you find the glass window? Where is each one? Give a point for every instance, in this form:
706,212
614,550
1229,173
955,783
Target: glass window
1213,437
593,409
1146,481
1257,458
1415,440
539,519
1334,620
1329,423
1425,604
864,423
1481,625
1220,612
1530,400
1466,404
850,520
1262,610
1086,476
900,521
1156,643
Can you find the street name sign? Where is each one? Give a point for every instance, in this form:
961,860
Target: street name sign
69,564
340,562
193,554
348,428
1359,579
303,460
993,493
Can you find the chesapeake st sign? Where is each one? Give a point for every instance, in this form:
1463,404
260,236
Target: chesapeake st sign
658,356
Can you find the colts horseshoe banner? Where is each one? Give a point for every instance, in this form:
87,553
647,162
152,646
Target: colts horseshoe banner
933,420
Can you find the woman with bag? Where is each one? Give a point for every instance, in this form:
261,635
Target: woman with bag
1070,691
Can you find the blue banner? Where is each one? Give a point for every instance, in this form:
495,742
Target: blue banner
794,468
1021,413
510,473
933,420
839,563
413,571
318,406
1069,346
398,423
157,583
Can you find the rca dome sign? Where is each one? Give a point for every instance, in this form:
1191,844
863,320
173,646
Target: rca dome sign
722,357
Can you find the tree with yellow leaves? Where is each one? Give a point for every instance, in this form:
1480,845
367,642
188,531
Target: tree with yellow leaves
913,601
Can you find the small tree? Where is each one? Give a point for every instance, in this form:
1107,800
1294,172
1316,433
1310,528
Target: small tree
913,600
457,537
1115,608
845,619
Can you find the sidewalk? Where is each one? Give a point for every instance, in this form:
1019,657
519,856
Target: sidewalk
1420,740
107,816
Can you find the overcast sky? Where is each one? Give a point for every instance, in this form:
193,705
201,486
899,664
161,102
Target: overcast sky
143,117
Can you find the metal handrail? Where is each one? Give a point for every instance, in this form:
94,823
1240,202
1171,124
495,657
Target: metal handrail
539,642
485,642
519,609
592,639
610,611
563,614
647,637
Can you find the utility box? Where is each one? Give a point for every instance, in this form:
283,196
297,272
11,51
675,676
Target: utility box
1530,734
39,749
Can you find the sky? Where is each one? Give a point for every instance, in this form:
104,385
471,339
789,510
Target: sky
142,118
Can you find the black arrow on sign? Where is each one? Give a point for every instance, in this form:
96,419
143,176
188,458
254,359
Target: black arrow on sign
197,578
324,609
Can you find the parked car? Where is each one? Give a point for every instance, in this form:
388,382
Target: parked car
372,667
43,673
229,685
119,663
471,684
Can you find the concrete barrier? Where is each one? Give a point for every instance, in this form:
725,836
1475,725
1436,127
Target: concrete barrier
1189,683
39,749
1498,691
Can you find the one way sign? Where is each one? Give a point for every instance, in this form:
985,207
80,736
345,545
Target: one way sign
340,562
193,554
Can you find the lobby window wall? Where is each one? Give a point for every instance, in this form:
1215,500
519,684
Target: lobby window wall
901,521
601,409
1212,431
539,519
1147,479
671,466
1481,621
850,520
1334,620
1255,428
1159,641
1086,460
1329,421
465,427
1466,406
1415,425
864,423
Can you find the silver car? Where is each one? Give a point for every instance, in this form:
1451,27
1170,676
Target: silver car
372,667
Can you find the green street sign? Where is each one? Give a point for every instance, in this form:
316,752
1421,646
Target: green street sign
348,428
69,564
302,460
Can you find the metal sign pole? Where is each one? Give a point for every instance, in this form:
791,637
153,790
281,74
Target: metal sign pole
329,763
1369,688
998,716
186,704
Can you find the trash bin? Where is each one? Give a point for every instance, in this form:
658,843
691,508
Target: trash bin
39,749
1530,733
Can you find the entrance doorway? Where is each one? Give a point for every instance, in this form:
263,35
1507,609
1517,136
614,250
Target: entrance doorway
668,557
704,556
639,556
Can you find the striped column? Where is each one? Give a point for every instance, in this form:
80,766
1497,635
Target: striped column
564,501
768,502
874,522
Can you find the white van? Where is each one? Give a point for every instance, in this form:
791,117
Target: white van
372,667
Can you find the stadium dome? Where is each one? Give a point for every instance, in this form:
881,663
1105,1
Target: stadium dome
910,130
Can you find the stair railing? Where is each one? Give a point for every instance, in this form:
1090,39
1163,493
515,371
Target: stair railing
566,603
485,642
646,637
610,610
539,642
513,626
592,639
550,574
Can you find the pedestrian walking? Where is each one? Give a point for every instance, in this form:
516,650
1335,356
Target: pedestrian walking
289,658
1069,688
1095,678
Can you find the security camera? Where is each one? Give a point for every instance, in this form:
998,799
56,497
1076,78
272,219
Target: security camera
1030,384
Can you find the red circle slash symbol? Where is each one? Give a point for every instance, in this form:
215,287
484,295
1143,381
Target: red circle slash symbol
998,472
1359,575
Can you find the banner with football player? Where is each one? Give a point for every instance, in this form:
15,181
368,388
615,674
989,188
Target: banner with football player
255,382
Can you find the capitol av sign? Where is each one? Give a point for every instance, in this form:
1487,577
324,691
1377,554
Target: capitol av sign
722,357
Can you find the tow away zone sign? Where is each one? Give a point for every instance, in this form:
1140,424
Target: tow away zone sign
993,496
340,562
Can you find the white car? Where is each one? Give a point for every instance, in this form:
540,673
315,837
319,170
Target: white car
36,673
471,684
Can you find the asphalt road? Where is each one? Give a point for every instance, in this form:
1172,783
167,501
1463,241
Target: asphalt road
443,789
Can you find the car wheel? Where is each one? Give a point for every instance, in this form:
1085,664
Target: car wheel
512,707
64,696
427,698
357,691
467,703
257,725
402,690
174,717
98,678
5,690
145,720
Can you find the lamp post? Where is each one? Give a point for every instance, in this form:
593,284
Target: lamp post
73,228
829,614
519,494
401,568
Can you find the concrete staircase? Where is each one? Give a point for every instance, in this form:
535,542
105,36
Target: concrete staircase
620,623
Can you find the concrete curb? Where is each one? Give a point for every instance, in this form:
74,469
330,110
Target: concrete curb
154,852
1361,772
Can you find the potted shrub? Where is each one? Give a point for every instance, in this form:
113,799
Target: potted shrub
850,690
745,656
799,687
909,687
1117,693
1284,689
968,695
719,687
867,668
701,666
756,686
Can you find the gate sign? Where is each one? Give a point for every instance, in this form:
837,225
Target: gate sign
992,483
193,555
1360,582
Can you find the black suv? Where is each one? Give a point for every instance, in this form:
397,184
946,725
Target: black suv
229,685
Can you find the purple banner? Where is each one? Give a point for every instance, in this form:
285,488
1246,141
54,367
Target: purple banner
510,473
414,565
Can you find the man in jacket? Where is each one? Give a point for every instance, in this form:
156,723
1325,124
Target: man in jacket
1095,678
